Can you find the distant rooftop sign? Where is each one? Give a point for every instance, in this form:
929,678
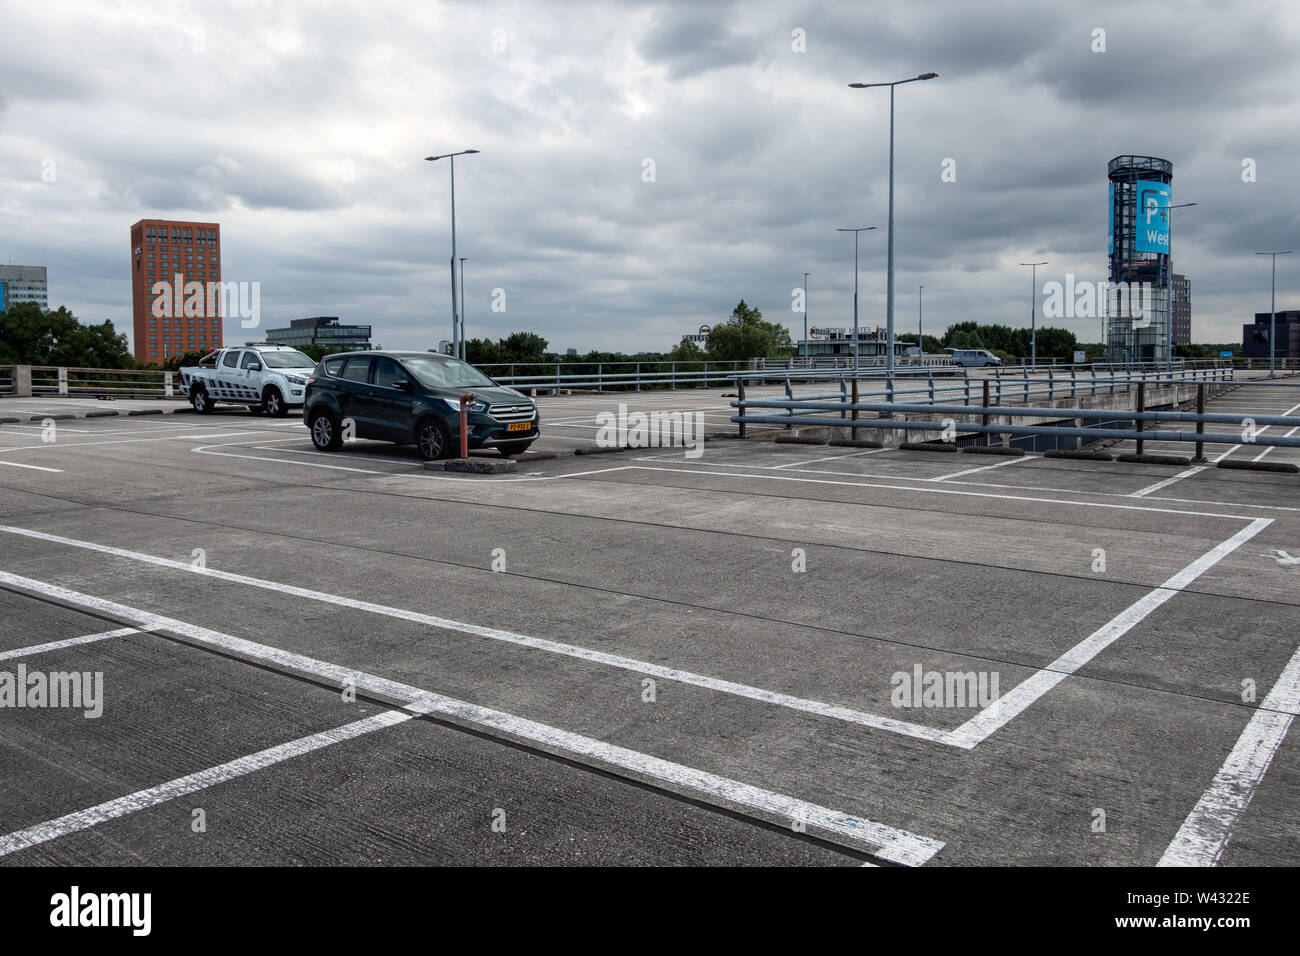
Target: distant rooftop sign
700,336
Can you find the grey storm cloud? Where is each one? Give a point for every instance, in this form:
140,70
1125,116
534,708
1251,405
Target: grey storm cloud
302,130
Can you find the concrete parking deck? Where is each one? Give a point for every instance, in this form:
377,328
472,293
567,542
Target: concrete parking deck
641,657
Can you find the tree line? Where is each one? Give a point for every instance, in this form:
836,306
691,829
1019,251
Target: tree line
31,336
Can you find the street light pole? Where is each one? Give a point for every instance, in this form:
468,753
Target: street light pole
1272,328
805,317
855,232
889,288
1033,311
461,356
920,328
455,310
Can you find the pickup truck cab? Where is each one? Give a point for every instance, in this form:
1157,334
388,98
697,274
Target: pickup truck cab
266,378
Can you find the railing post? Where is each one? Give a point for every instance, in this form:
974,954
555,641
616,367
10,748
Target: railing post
930,375
789,397
984,419
1141,407
844,397
557,378
740,394
1200,422
853,432
167,384
63,381
600,377
1051,381
673,370
638,376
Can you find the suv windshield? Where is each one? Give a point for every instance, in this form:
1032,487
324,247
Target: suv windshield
446,373
292,359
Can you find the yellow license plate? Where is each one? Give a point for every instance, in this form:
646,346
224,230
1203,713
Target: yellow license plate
519,426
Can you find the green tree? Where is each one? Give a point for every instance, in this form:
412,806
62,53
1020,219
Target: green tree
482,352
1056,343
175,362
746,335
686,352
30,336
521,347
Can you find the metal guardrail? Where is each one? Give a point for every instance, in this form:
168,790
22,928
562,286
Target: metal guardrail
608,376
1080,382
846,414
147,383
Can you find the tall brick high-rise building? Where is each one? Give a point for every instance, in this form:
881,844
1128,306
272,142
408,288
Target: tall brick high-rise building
178,254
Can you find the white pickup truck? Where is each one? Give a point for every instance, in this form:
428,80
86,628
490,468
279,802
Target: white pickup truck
266,378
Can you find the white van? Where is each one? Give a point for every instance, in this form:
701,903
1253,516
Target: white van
974,358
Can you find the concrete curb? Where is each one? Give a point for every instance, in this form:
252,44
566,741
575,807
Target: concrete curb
797,439
1080,455
1285,467
603,451
1155,460
920,446
993,450
856,443
474,466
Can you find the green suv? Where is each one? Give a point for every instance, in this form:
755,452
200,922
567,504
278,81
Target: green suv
414,397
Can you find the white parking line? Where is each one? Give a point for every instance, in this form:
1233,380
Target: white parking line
1271,447
15,464
788,701
1204,835
933,490
886,842
813,461
68,642
1195,469
143,799
999,464
116,441
967,736
1007,707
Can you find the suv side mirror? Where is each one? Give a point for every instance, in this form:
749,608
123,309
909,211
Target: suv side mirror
254,366
402,385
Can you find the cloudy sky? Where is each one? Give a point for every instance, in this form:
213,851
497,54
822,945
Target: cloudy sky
644,166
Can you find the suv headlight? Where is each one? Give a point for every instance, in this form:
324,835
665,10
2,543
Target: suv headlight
475,406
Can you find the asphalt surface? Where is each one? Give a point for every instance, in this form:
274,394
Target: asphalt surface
642,657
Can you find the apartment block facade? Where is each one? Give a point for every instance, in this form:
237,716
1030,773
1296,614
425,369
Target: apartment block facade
173,265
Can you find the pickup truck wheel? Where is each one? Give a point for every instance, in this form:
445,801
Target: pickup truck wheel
326,434
432,440
273,402
199,399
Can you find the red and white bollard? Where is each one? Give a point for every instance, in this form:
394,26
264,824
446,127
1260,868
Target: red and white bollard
464,424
